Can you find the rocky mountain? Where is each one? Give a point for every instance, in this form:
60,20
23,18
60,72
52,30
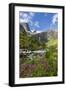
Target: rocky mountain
42,36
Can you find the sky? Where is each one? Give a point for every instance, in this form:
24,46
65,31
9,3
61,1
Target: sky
39,21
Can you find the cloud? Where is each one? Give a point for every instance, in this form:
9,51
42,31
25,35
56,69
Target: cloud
55,19
31,14
33,30
37,24
38,31
24,20
26,17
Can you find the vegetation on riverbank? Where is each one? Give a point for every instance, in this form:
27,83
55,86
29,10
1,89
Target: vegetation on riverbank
38,65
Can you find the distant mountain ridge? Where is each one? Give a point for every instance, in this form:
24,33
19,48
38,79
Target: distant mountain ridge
42,36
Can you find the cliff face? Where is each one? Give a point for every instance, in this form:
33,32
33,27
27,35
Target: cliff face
42,36
52,34
24,26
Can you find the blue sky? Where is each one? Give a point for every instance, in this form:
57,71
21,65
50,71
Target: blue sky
39,21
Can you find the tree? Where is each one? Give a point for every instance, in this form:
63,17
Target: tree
23,40
52,55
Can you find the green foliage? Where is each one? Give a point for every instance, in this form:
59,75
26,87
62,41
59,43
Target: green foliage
23,40
33,60
33,43
43,45
45,65
28,42
38,71
51,55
